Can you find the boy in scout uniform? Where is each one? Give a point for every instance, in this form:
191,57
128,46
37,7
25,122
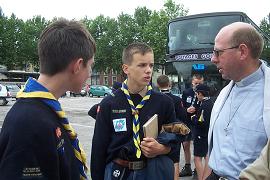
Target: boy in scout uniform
164,86
36,140
201,121
119,148
191,103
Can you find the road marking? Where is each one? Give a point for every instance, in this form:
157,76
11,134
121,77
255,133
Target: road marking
76,124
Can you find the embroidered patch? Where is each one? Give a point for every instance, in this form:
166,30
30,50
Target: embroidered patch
189,98
31,172
117,111
116,173
120,125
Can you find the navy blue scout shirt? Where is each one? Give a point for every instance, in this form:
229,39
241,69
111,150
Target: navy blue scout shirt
189,98
180,111
181,115
34,144
201,128
107,142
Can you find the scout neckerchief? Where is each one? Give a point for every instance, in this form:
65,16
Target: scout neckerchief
33,89
135,112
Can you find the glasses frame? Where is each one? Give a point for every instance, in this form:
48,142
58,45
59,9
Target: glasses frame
217,52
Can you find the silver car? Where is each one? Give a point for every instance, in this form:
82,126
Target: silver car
13,89
5,96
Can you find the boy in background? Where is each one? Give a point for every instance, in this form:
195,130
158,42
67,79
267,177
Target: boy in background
164,86
201,121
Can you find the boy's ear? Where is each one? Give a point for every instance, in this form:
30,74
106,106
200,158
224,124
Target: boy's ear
76,65
125,68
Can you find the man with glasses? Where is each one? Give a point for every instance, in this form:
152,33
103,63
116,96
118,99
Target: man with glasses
239,126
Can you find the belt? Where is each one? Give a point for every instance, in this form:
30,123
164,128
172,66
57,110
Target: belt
132,165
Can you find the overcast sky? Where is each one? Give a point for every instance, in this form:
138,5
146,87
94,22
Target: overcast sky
26,9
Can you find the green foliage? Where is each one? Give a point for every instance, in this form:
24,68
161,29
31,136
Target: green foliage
265,27
18,39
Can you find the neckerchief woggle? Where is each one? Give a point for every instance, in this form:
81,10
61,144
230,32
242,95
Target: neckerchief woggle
33,89
135,113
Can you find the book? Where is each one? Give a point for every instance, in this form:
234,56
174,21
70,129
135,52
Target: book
150,128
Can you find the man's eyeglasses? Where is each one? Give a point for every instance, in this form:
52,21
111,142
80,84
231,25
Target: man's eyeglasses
217,52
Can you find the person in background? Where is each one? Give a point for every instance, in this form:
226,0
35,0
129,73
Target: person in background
239,126
191,103
93,110
36,140
119,148
201,121
164,86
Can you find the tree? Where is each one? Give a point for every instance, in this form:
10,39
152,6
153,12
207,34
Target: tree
18,39
105,32
32,30
9,41
156,30
265,27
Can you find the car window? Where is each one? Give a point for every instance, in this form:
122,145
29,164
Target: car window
13,87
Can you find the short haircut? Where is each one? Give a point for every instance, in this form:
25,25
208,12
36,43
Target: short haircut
197,76
61,43
204,93
204,89
249,36
163,81
133,48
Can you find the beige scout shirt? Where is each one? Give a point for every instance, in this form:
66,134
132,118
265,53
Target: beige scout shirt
260,168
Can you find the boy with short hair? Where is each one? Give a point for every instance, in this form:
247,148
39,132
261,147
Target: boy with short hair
37,141
119,148
201,121
164,85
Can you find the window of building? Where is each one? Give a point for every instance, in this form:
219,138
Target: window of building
106,80
114,79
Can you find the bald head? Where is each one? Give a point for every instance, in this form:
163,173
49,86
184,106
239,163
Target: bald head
242,33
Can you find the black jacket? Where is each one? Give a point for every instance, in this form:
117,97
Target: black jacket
201,127
189,98
34,145
180,111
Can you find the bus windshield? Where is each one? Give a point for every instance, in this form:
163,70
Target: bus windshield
196,33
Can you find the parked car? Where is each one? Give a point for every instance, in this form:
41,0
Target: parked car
82,93
99,90
5,96
13,89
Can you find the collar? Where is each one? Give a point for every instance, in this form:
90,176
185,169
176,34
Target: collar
257,75
206,98
165,90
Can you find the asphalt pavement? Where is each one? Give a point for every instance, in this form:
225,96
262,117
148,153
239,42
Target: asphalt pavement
76,109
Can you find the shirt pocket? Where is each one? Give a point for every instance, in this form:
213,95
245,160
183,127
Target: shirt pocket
249,141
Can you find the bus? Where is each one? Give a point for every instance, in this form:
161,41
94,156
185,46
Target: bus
16,77
190,47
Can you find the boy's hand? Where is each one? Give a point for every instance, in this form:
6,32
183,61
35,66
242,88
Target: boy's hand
151,148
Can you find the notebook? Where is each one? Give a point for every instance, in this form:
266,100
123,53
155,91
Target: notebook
150,128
